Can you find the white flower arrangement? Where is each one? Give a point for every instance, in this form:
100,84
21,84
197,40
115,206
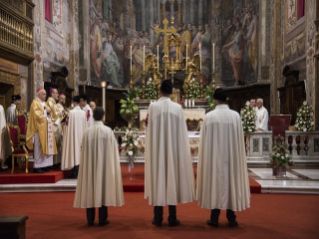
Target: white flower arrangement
130,142
305,121
150,90
280,155
194,90
248,118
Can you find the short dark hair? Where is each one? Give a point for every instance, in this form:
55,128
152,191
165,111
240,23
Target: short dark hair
84,97
76,99
98,113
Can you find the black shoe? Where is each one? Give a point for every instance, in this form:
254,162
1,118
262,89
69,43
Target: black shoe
46,169
104,223
156,224
174,223
233,224
212,224
38,170
91,224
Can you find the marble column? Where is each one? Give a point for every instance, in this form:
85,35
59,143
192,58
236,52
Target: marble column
159,11
143,15
200,12
192,11
180,13
184,12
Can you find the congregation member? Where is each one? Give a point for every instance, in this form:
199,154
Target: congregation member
262,116
11,111
169,177
100,181
75,125
88,111
2,138
252,103
92,105
40,135
222,176
56,120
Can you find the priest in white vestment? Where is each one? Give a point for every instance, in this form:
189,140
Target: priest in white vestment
2,137
262,116
56,120
40,135
100,180
88,111
75,126
169,176
222,176
11,111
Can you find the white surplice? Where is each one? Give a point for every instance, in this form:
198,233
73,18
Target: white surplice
2,135
169,176
222,176
262,118
74,128
100,180
11,114
89,115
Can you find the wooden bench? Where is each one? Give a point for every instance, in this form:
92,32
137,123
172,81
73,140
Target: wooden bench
12,227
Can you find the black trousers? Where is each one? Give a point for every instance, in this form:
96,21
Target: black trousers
230,214
158,214
103,214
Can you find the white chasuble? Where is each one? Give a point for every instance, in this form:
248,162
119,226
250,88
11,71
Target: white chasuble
222,176
76,124
262,118
89,115
100,180
169,176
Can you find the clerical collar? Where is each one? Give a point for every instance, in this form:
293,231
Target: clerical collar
77,107
222,106
40,100
98,122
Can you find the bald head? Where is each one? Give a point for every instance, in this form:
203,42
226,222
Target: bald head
42,94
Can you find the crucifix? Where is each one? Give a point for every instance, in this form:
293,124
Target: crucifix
165,30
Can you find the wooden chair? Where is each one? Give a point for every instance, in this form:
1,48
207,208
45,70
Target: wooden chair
21,120
18,149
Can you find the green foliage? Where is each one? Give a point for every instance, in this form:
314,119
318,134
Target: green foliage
280,156
304,121
130,142
209,93
194,90
128,106
248,118
151,90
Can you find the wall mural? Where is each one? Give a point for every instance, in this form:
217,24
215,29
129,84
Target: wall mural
117,25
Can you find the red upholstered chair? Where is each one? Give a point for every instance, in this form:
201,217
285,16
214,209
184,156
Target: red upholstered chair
22,123
18,149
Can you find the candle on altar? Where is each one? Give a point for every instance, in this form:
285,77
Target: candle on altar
144,58
186,55
158,56
131,54
200,56
213,56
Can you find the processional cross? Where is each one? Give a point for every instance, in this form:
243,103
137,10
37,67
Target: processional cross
165,30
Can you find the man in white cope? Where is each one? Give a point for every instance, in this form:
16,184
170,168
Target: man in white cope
74,128
88,111
169,176
40,135
11,111
2,138
262,116
100,180
222,176
56,120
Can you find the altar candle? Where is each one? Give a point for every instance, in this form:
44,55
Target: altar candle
131,64
193,103
158,56
213,56
200,56
186,55
143,58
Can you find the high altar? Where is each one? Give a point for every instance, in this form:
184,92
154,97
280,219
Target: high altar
189,70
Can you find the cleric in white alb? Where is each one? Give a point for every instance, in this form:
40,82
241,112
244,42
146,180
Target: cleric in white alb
262,116
86,107
11,111
222,176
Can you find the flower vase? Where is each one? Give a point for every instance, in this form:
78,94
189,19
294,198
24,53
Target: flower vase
130,166
280,172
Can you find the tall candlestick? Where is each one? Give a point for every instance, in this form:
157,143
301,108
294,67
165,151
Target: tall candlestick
158,57
143,58
213,56
186,55
131,63
200,55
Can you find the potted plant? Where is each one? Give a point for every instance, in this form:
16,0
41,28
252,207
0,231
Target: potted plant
209,93
194,90
129,109
248,118
304,121
151,90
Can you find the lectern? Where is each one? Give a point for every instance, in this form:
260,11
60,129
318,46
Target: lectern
279,124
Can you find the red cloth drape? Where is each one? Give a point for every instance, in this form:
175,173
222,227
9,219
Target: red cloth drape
47,9
301,8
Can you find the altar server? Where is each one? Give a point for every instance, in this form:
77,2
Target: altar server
222,177
40,135
88,111
11,111
262,116
56,120
2,137
100,180
169,177
75,125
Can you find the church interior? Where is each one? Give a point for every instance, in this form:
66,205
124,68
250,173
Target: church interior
117,53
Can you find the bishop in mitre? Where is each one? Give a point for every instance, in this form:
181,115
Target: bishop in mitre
100,181
40,135
56,120
222,176
169,177
75,125
87,109
11,111
2,137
